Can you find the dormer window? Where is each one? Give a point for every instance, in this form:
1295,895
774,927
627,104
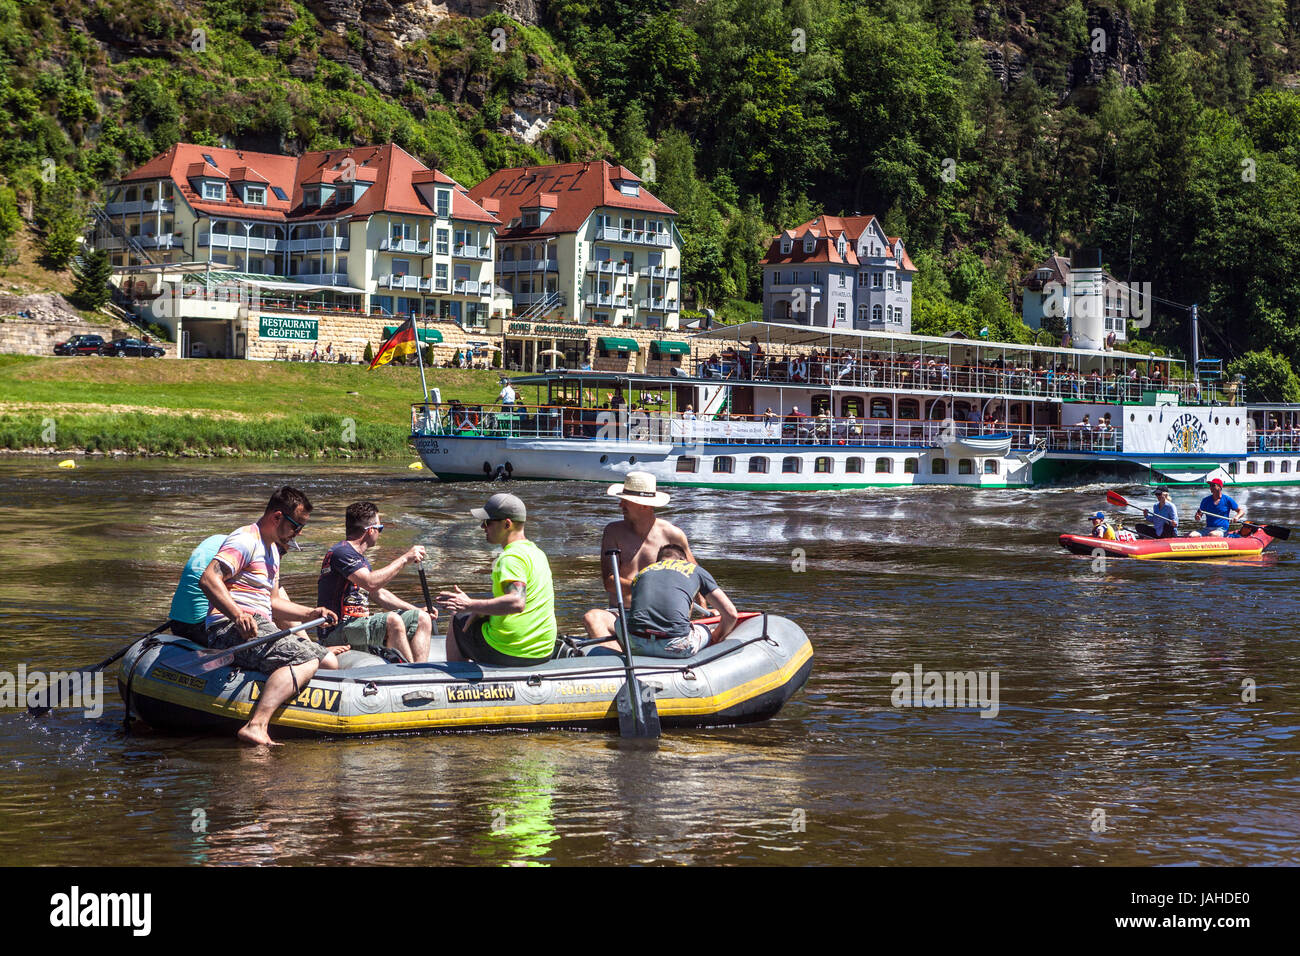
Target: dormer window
841,245
628,188
530,219
444,203
1044,274
214,191
311,196
786,246
809,244
255,195
343,195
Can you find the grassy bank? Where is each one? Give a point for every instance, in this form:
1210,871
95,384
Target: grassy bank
212,407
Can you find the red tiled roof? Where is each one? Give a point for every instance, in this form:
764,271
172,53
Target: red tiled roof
825,249
579,188
391,172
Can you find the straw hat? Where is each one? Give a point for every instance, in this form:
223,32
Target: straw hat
639,488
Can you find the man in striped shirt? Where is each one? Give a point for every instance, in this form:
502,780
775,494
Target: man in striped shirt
243,585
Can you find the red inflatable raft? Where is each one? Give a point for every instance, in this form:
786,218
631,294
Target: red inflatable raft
1174,549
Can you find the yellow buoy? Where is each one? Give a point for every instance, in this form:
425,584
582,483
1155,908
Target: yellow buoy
68,463
415,466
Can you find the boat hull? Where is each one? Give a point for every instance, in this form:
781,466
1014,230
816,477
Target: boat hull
748,677
1168,549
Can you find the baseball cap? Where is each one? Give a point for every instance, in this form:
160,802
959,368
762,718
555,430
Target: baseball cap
1217,481
501,506
1101,515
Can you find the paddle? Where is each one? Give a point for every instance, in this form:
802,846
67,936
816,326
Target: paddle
211,660
40,711
1272,530
428,601
638,714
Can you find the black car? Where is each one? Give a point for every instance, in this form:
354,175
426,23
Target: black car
123,347
81,345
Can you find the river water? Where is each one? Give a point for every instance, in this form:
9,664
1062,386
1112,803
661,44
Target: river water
1146,710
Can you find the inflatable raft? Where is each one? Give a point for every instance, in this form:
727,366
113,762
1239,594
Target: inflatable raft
1175,549
745,678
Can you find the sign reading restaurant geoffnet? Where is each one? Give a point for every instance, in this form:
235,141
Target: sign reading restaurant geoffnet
287,328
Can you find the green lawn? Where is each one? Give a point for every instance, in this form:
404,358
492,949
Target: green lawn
170,407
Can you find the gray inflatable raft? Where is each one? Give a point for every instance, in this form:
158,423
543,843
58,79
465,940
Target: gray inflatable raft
747,677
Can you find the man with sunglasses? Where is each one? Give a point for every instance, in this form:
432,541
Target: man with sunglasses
243,585
516,626
347,583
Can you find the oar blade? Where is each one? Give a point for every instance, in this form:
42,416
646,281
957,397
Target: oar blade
1277,531
634,720
1118,500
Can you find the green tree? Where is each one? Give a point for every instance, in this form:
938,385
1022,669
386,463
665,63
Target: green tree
92,291
1269,377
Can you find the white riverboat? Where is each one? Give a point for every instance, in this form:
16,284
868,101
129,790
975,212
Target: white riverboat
775,406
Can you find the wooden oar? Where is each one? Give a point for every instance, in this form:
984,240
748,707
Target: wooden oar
211,660
40,711
1272,530
638,714
428,602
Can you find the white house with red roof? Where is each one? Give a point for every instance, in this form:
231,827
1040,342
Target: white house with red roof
839,272
1053,293
369,230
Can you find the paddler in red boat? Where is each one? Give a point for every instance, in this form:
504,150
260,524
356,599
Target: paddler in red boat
1217,509
1100,529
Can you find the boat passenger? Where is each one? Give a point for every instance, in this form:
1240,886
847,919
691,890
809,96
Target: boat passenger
516,626
242,583
506,397
347,582
1216,508
190,605
660,616
1100,529
638,537
1164,516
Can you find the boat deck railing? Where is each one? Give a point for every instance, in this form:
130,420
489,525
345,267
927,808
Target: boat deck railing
1285,440
457,420
933,376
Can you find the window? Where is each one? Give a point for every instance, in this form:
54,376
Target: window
862,280
862,313
963,467
442,248
843,280
853,466
440,277
1286,466
910,466
877,315
990,466
279,194
809,244
823,465
850,406
758,466
1233,468
791,465
724,465
1268,467
214,191
877,280
884,466
786,246
1251,467
880,408
939,466
909,408
401,267
821,403
840,312
687,465
816,277
444,203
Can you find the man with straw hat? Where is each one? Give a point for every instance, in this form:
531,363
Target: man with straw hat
638,537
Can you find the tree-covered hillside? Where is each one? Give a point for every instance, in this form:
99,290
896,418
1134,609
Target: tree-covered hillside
986,134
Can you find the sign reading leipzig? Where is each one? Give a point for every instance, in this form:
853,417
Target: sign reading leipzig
287,328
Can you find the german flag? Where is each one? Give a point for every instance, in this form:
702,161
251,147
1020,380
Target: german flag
401,342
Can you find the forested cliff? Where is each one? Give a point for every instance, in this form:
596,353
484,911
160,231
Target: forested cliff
986,134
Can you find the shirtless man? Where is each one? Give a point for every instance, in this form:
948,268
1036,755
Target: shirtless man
638,538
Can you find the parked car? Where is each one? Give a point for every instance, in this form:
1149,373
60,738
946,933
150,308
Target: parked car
81,345
124,347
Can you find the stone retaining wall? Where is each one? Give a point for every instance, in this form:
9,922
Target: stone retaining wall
34,337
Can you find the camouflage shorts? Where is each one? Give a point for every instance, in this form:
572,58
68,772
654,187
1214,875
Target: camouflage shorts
292,649
676,647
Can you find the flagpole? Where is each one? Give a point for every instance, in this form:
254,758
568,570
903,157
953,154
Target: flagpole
419,358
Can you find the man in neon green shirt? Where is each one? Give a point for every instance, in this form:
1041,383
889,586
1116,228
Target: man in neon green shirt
517,624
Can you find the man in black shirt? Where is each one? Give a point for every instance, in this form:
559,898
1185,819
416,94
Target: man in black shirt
662,595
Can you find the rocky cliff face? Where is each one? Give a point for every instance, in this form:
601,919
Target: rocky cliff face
1014,46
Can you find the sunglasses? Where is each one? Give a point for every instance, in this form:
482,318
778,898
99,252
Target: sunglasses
297,525
377,527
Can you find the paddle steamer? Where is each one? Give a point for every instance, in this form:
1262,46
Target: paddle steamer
793,407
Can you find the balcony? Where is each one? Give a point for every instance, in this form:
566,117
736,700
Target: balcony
532,298
317,244
605,300
658,305
140,206
608,268
321,278
527,265
167,241
659,272
401,282
406,246
251,243
639,237
470,287
481,253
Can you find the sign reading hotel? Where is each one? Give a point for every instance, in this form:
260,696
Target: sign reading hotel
542,329
287,328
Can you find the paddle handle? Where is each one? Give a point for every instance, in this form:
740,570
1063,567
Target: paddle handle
211,660
428,601
632,688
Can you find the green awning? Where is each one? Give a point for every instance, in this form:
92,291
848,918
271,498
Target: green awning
426,335
670,348
611,344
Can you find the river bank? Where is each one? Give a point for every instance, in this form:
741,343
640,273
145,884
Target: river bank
212,408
